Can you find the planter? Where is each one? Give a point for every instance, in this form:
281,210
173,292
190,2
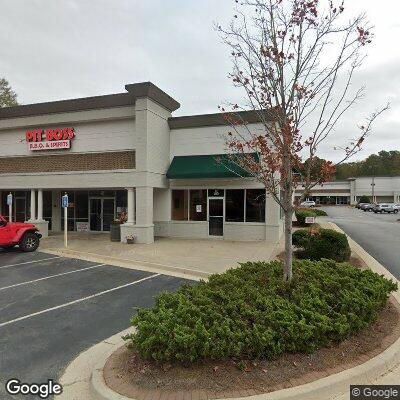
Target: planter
130,240
115,232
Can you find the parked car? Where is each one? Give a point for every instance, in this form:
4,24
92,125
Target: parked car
385,207
307,203
367,207
359,205
25,235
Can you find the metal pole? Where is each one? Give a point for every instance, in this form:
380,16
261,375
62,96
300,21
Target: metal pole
10,209
373,189
65,226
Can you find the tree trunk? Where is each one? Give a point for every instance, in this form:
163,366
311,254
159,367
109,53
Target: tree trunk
287,270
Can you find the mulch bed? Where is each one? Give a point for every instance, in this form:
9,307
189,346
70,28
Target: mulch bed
128,374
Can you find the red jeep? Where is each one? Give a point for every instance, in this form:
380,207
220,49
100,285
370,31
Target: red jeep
18,233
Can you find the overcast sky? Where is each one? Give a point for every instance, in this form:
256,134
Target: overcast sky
58,49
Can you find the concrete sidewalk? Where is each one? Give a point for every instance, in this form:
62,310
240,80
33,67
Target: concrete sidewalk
199,256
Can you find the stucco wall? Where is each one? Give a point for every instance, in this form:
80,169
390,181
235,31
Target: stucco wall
232,231
102,130
203,140
158,142
182,229
384,186
244,231
162,204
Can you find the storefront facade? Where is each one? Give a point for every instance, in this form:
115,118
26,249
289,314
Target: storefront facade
116,154
379,189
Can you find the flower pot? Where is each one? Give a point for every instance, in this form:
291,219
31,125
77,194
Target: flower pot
130,241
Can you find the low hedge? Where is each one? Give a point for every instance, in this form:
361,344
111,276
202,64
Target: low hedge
250,312
301,216
324,243
316,211
364,199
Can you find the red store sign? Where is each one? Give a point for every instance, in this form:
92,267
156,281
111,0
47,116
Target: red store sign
49,139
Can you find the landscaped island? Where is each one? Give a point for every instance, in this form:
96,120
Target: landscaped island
251,313
246,331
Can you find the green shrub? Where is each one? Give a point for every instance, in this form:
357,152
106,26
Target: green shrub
364,199
250,312
301,238
325,243
320,213
316,211
301,216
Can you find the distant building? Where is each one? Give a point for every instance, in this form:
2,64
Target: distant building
379,189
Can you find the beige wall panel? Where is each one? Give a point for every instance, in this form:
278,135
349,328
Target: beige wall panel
89,137
203,140
244,231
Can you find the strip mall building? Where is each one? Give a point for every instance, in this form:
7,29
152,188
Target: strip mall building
379,189
126,153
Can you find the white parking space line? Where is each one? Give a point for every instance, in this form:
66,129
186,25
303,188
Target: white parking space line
29,262
77,301
50,276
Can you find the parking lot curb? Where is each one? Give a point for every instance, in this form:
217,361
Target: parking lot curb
148,266
77,376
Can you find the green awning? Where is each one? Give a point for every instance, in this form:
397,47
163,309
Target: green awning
206,166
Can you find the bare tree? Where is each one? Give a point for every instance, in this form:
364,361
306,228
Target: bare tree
295,60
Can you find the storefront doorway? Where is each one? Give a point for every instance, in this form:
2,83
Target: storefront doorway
102,213
216,216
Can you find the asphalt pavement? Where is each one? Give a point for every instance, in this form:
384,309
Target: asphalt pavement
53,308
378,234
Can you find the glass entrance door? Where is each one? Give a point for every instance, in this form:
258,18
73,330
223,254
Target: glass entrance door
102,213
216,216
108,213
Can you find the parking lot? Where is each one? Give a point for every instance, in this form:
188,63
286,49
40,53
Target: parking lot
53,308
378,234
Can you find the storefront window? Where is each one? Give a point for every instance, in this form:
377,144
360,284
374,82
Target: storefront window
122,202
255,205
179,205
198,205
234,205
82,205
20,206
